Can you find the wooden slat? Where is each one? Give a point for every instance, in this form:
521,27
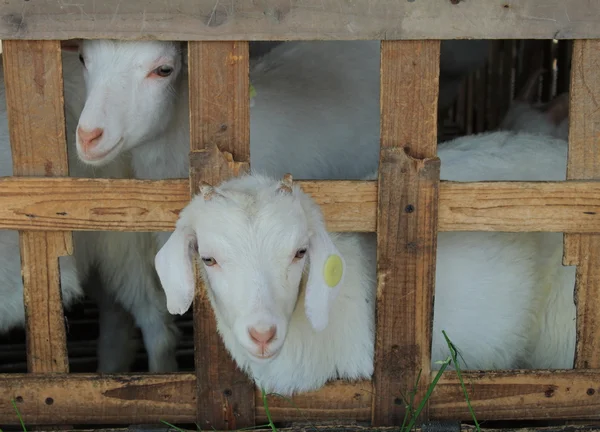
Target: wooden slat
91,398
243,20
126,399
220,145
406,224
518,395
143,205
338,400
520,206
584,163
34,97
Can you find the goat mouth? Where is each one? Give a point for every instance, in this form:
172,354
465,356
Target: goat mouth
102,156
266,356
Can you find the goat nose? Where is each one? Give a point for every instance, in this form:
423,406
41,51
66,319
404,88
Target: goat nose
89,139
262,338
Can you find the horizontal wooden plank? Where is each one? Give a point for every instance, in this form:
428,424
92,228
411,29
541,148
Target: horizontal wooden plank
519,395
126,399
520,206
145,205
89,398
312,19
339,400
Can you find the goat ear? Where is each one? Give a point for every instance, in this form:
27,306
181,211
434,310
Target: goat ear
174,264
70,45
558,109
325,278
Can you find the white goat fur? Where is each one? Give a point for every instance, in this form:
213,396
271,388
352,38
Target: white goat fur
504,298
521,269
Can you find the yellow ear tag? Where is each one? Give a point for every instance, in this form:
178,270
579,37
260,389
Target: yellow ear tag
332,270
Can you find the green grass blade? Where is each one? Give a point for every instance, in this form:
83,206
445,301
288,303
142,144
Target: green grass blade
172,426
426,397
460,379
19,415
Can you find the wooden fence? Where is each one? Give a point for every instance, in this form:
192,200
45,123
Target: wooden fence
45,205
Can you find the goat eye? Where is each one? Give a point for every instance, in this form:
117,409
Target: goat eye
300,253
209,261
163,71
81,59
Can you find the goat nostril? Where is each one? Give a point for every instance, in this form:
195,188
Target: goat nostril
89,138
262,337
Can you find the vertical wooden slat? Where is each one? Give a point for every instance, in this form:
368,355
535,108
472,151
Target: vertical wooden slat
34,96
584,163
220,148
407,224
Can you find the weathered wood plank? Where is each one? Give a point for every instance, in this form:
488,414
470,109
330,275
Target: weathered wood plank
406,225
220,148
277,20
520,206
34,97
126,399
91,398
142,205
584,163
338,400
519,395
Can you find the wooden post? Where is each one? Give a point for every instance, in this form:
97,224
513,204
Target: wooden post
406,225
34,97
583,250
220,148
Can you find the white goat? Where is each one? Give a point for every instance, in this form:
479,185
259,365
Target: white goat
524,115
528,262
293,325
111,252
130,293
12,311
